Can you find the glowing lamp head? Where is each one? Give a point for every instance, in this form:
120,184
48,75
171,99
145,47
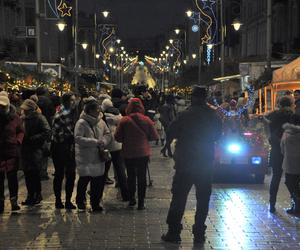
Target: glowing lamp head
189,13
234,148
177,31
185,61
105,13
61,25
171,41
84,45
118,41
210,46
97,56
236,25
194,56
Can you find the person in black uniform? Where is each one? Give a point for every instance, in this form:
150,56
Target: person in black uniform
276,119
196,130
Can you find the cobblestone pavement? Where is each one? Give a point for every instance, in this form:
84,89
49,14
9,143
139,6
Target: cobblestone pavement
238,219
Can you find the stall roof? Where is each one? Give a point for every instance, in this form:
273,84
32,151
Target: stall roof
288,73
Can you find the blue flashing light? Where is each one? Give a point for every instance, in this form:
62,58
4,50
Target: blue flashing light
234,148
256,160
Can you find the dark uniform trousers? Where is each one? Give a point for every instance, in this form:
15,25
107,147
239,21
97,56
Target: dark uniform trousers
182,184
276,159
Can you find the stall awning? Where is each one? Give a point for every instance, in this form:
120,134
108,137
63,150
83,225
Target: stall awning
288,73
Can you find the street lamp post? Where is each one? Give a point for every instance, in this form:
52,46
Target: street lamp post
38,35
75,46
222,39
269,35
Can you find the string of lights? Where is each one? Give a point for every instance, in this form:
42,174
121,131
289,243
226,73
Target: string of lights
241,110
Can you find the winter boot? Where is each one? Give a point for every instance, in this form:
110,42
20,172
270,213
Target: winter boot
141,205
132,202
14,204
38,199
59,204
1,206
69,205
173,235
29,201
291,210
199,234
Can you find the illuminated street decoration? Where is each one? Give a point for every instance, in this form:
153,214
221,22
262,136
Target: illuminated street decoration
64,9
59,8
53,7
209,51
241,110
195,28
207,17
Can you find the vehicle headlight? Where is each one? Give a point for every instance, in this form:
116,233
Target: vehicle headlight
234,148
256,160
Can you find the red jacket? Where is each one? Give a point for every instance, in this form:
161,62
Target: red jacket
11,136
135,131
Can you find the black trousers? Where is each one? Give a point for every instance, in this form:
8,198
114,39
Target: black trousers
182,184
119,168
292,182
33,182
13,184
97,188
64,164
136,172
276,159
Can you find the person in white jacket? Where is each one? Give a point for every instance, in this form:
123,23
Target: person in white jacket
91,135
290,147
113,117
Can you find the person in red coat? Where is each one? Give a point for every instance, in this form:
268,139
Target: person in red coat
134,132
11,136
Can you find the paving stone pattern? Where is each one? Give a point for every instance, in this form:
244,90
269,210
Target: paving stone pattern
238,219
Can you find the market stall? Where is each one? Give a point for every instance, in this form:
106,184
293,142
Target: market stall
285,79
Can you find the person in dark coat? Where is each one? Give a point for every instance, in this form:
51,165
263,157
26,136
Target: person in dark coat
297,101
11,137
167,116
276,119
196,130
48,110
63,150
134,132
119,100
37,132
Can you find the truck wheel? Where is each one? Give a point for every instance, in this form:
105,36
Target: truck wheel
259,178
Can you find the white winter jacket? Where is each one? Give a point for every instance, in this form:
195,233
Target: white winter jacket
290,147
112,121
88,132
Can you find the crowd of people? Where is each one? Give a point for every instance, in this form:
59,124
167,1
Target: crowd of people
87,134
83,134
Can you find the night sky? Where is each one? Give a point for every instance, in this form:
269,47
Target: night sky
140,19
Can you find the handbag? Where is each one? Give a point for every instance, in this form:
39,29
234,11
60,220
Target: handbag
103,153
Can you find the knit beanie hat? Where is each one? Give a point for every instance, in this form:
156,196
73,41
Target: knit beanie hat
106,104
4,100
29,105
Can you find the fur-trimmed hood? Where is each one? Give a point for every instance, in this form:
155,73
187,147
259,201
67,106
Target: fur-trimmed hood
291,128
